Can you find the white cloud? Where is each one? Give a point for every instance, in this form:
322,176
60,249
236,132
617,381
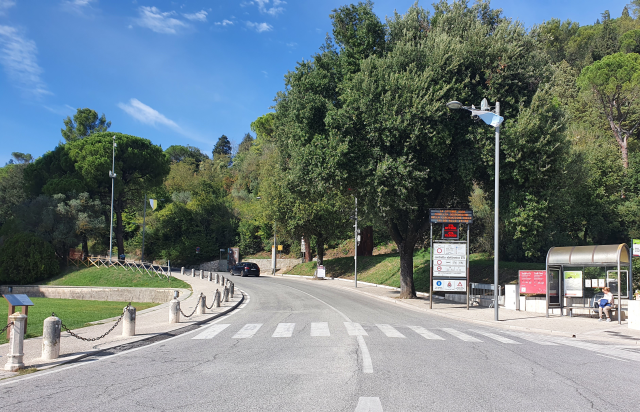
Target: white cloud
64,110
18,56
140,111
274,10
223,23
78,6
259,27
266,75
199,16
5,5
152,18
292,44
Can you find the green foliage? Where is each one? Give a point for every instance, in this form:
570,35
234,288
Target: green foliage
12,190
85,122
25,259
179,153
114,277
223,146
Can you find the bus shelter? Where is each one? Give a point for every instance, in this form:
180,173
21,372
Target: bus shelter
559,258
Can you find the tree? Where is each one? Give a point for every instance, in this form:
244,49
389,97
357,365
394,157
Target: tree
222,147
246,143
12,190
178,153
613,85
139,166
26,259
85,122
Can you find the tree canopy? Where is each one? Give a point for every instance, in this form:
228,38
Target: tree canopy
84,123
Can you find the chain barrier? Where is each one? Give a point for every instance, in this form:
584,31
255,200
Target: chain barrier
6,327
213,302
99,337
194,309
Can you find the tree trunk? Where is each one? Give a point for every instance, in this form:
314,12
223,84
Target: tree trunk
320,246
119,229
407,288
307,249
85,245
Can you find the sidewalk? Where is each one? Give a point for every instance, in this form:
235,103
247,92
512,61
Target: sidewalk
580,327
150,323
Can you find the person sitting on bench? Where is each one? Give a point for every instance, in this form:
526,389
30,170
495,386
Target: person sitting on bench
605,304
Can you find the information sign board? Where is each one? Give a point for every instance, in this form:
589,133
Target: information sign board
450,216
573,283
449,285
636,247
450,260
321,271
18,300
533,281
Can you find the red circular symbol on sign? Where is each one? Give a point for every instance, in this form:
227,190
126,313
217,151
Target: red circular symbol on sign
439,250
439,262
439,268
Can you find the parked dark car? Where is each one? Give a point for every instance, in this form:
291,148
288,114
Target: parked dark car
245,269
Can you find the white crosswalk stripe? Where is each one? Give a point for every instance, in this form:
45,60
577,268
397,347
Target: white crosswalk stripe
540,340
247,331
355,329
320,329
496,337
284,330
460,335
425,333
390,331
212,331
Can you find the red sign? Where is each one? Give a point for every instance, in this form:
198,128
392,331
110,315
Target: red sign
533,281
450,231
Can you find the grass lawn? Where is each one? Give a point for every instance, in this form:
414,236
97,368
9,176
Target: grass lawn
73,313
113,277
385,269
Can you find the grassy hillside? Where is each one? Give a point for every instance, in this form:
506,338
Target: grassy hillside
385,269
114,277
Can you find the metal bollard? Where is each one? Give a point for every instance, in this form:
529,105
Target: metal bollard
210,276
129,322
193,273
174,311
182,271
216,299
226,294
201,272
231,287
16,343
51,337
217,278
221,280
202,306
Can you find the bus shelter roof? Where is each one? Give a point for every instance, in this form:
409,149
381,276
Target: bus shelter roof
597,255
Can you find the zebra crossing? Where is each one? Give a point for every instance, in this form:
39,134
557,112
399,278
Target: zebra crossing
323,329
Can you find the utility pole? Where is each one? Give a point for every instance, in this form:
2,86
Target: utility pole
355,253
275,251
496,242
112,175
144,219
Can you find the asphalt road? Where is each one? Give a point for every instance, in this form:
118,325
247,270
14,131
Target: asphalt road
301,346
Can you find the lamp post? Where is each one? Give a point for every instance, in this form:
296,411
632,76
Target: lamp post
494,119
112,175
274,256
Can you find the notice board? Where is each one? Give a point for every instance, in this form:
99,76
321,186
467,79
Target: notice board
533,281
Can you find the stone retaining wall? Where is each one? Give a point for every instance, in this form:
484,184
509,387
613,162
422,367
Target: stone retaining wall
97,293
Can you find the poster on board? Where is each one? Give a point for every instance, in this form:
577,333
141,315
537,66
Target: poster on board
533,281
573,283
636,247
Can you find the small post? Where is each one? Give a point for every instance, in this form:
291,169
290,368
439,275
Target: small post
182,271
193,273
201,274
216,299
217,278
129,321
51,337
210,276
202,305
221,280
174,311
226,294
16,343
231,289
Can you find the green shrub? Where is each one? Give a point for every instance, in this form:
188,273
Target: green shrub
26,259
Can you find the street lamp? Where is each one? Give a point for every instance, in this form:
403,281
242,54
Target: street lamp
494,119
274,256
112,175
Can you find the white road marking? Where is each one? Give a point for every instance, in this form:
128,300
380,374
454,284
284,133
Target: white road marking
284,330
496,337
369,405
610,350
355,329
212,331
247,331
611,357
532,338
425,333
390,331
367,365
460,335
320,329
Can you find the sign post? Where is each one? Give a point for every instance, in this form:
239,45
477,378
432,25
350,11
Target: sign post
17,300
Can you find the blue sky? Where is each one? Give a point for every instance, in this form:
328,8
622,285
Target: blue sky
174,72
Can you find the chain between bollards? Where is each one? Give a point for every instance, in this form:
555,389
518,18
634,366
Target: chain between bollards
194,309
6,327
99,337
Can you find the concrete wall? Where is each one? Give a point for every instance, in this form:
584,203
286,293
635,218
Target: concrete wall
283,264
97,293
